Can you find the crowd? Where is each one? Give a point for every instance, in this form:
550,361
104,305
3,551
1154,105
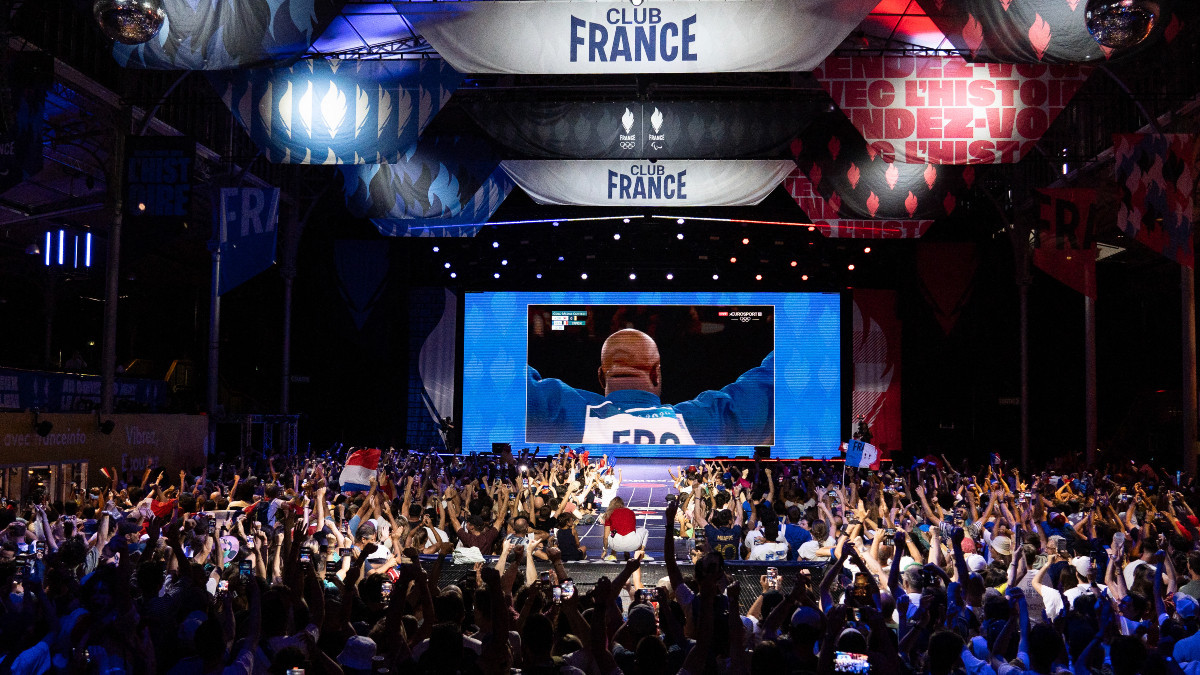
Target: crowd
929,568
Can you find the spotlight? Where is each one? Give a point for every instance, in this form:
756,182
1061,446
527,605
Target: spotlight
745,241
496,275
680,221
42,427
812,228
679,236
733,260
632,276
560,258
867,249
454,275
716,276
625,220
850,267
436,249
504,262
793,263
539,275
130,22
446,265
617,236
495,244
670,276
803,277
758,277
583,276
556,223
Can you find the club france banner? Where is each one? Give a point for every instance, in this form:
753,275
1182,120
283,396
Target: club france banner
337,111
1157,176
1024,31
860,183
580,182
473,215
435,181
229,34
824,214
1065,247
636,130
247,221
613,36
944,110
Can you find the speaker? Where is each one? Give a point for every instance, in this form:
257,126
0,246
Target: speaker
762,452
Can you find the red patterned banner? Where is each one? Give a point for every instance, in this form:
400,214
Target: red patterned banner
824,214
1157,177
944,110
1065,247
876,395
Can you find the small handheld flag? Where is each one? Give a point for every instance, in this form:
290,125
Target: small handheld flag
361,467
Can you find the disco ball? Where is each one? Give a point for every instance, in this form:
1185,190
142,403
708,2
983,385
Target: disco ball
130,22
1119,24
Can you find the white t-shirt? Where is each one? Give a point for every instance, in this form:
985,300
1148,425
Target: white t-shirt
808,550
769,551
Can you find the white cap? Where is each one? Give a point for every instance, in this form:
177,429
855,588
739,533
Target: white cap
976,562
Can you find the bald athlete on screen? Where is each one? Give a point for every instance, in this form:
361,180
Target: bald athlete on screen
630,411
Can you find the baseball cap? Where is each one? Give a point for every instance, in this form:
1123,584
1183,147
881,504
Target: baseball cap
357,653
1185,606
807,616
1002,545
976,562
1082,565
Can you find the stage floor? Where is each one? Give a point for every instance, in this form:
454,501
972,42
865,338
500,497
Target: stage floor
644,487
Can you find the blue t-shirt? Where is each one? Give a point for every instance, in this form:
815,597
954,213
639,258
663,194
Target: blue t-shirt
724,540
795,536
741,413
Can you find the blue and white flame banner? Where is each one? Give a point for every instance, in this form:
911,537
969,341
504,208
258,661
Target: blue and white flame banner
436,180
613,36
335,111
473,215
224,34
581,182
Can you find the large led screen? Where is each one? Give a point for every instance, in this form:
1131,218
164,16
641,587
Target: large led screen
653,374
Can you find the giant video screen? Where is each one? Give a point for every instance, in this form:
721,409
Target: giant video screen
683,375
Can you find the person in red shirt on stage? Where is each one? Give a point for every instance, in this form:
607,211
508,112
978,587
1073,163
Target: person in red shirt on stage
621,533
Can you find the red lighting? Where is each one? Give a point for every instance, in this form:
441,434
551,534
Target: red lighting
803,277
850,267
867,249
758,277
745,241
812,228
733,260
793,263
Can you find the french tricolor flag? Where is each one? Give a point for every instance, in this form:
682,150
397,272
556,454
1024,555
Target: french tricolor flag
361,467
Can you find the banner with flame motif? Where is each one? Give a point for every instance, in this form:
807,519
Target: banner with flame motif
1029,31
1157,175
690,129
876,394
212,35
824,215
473,215
944,110
337,111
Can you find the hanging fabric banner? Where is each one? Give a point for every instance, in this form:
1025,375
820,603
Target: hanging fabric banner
247,220
1024,31
665,183
337,112
1157,176
823,213
636,130
612,36
436,181
473,215
946,274
861,183
944,110
27,76
876,395
1065,247
228,34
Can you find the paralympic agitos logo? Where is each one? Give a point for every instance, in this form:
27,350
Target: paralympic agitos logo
633,34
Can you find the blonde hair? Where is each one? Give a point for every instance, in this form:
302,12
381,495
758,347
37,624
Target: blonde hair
616,503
